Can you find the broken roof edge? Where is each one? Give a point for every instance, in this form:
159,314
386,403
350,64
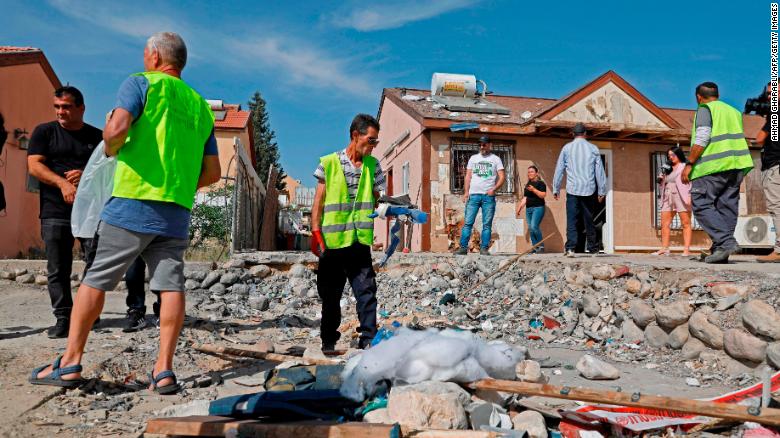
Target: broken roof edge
610,76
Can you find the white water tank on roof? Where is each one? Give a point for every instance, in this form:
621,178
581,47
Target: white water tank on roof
450,84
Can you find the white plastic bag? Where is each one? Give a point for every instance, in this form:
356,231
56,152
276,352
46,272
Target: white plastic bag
95,187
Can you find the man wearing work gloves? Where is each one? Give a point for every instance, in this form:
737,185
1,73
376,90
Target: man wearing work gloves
349,183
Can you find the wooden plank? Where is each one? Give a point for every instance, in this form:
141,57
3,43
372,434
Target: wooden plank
768,416
414,433
197,425
212,426
270,212
754,190
257,354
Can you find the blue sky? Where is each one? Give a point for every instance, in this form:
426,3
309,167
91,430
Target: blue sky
318,63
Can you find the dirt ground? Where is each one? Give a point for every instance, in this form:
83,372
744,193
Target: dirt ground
112,355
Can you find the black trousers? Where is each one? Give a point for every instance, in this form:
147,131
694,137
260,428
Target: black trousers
580,207
337,266
58,239
715,200
134,277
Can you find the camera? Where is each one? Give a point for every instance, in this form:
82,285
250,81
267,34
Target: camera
758,105
667,167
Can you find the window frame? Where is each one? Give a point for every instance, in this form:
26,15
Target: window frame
471,146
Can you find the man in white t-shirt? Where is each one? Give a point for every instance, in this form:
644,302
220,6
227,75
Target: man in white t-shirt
484,175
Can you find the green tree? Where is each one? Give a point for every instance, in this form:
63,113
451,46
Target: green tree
266,149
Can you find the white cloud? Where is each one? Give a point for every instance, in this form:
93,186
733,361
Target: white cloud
391,15
293,60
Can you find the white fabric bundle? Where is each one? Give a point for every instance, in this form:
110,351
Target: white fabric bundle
416,356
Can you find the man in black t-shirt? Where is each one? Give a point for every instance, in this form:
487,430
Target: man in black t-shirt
770,178
57,155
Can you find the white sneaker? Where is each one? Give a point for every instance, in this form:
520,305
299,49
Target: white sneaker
568,253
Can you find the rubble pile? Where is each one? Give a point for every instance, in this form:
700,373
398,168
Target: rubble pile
660,317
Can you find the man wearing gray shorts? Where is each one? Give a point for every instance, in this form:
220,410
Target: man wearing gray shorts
162,133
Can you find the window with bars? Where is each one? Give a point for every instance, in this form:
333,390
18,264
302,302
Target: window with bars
657,162
462,149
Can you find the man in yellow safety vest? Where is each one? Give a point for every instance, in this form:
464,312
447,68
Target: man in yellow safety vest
348,186
718,161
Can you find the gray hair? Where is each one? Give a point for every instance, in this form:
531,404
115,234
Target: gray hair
171,48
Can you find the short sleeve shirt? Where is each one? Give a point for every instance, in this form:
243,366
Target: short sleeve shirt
531,198
352,174
484,171
64,150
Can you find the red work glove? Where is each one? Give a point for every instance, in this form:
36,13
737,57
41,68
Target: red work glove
317,243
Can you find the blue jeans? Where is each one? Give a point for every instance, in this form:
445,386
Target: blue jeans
488,205
534,215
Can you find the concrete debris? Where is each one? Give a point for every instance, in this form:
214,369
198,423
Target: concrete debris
722,290
25,278
596,369
531,422
378,416
530,371
430,405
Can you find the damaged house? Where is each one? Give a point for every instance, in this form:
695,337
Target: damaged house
427,138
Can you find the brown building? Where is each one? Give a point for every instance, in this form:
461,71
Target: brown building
27,84
231,122
426,159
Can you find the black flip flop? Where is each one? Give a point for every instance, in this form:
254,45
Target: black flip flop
55,378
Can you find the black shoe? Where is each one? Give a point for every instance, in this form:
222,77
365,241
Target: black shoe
461,251
328,346
134,321
721,255
484,251
60,329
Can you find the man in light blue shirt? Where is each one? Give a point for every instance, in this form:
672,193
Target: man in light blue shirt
581,162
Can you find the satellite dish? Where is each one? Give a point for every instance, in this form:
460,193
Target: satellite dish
756,230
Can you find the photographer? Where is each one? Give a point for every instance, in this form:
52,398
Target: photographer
770,167
675,199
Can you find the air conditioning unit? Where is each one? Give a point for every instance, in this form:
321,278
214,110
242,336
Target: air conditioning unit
755,232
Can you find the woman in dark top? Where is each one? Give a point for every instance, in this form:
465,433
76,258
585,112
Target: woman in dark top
533,201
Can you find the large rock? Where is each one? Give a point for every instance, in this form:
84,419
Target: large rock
761,319
773,354
298,271
673,314
260,271
741,345
602,272
41,280
678,337
196,275
705,331
722,290
211,279
590,305
641,313
631,332
228,278
379,416
633,286
655,336
692,349
259,302
25,278
7,275
218,289
596,369
191,284
429,405
531,422
240,289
